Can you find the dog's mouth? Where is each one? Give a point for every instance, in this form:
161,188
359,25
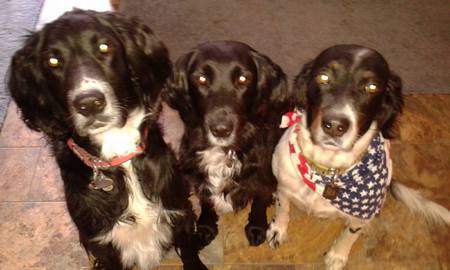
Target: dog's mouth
220,126
221,141
91,125
336,144
330,144
96,126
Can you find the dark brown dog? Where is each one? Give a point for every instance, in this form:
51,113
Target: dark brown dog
230,98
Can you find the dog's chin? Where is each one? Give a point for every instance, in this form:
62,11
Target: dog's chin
337,145
221,142
95,126
99,127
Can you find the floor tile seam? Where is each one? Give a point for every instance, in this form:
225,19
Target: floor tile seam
271,263
2,147
31,202
351,262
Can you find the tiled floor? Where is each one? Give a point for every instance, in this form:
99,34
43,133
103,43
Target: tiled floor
36,231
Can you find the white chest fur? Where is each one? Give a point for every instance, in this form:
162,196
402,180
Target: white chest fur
140,242
220,167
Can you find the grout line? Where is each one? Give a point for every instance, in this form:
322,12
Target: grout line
23,202
21,147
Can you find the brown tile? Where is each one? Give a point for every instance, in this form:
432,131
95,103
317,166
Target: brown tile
440,235
47,184
308,239
425,119
38,235
396,235
168,267
256,266
310,266
395,265
14,132
17,169
425,167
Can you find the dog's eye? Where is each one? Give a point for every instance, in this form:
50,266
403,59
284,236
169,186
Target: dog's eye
371,88
53,62
202,80
243,80
103,48
323,78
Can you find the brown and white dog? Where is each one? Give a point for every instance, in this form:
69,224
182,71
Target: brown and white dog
333,160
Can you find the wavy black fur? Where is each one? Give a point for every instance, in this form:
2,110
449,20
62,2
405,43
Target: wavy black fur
136,70
258,107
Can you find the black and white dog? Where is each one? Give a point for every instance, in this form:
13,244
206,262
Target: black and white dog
91,83
333,160
229,97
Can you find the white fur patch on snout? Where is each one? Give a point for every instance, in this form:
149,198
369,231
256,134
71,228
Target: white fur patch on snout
89,125
343,142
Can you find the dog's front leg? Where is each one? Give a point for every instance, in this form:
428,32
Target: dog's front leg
184,240
256,228
336,258
206,224
277,232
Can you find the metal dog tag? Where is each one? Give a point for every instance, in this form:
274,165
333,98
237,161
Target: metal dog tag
231,158
331,191
100,181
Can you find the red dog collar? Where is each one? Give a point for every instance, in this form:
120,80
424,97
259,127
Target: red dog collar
98,163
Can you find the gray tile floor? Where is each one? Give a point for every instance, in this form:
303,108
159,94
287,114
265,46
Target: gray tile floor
16,18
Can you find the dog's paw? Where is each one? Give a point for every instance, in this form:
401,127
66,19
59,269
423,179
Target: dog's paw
205,234
256,235
275,235
335,261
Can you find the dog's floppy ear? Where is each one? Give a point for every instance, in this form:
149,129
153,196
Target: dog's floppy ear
147,56
273,94
176,92
392,106
300,86
39,109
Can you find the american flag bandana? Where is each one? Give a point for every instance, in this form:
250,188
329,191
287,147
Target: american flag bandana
362,188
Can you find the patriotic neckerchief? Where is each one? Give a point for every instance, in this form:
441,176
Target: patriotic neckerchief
362,188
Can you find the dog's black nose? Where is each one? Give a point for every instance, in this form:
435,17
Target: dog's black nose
221,130
90,102
335,126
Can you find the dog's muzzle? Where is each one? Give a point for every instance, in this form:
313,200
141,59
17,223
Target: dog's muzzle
221,124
